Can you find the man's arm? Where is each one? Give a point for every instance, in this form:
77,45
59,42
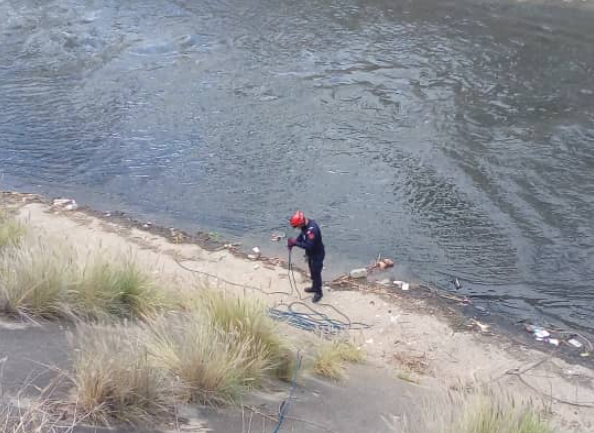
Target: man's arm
308,240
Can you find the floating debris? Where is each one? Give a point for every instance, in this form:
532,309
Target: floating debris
457,283
268,98
277,236
385,263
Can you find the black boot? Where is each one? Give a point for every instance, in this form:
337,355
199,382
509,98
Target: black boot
309,290
317,297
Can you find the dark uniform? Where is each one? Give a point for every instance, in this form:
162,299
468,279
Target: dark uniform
310,240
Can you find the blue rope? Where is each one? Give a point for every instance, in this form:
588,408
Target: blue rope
285,404
314,321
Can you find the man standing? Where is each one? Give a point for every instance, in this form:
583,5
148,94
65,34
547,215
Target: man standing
310,240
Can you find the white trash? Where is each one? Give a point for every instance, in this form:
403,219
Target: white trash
575,343
358,273
540,332
71,206
402,285
66,204
256,254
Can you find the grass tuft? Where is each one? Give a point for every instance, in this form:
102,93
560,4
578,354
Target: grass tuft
212,353
117,288
486,411
206,355
205,364
248,320
491,414
34,278
11,231
330,359
43,277
29,419
112,375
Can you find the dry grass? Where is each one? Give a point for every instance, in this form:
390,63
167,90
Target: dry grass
490,414
11,231
113,377
248,320
35,277
28,420
490,411
42,277
213,353
208,355
23,415
205,363
114,288
330,358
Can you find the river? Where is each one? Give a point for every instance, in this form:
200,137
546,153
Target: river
456,137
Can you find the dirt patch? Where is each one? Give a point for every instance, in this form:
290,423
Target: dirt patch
418,364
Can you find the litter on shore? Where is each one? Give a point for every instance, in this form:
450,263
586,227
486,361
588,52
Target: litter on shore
65,204
556,338
255,255
277,236
358,273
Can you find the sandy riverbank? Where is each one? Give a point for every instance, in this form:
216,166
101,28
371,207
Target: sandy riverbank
407,338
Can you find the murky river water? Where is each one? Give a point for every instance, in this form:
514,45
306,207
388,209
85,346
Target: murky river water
455,137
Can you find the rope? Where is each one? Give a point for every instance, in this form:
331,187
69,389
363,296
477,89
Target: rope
313,321
231,283
292,280
284,406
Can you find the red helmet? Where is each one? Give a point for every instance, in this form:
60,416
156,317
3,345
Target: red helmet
298,219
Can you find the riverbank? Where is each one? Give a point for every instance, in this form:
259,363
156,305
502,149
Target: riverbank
409,339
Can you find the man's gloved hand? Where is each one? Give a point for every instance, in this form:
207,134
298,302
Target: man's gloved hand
291,242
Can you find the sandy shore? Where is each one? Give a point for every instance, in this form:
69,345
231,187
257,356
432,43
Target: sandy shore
408,338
